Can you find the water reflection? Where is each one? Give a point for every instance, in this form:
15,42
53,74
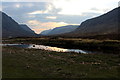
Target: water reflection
56,49
49,48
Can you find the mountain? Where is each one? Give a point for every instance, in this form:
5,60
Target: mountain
26,28
60,30
105,26
10,28
45,32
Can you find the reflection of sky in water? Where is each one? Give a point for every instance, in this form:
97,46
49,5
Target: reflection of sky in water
56,49
45,48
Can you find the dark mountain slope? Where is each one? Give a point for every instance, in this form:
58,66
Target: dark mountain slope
25,27
11,28
105,25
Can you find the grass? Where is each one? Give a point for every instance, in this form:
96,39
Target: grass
108,46
32,63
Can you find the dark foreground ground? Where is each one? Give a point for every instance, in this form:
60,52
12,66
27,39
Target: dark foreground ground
31,63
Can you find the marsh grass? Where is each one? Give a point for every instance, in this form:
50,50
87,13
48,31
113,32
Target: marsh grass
107,46
33,63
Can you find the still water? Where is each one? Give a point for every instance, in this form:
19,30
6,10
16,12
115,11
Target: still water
43,47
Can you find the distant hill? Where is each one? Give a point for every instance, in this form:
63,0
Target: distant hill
45,32
10,28
60,30
105,26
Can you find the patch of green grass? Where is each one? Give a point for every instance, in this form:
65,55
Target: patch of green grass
33,63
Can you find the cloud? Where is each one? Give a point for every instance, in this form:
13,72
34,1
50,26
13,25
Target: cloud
77,7
27,0
40,26
39,12
49,7
31,16
0,7
94,9
51,17
30,5
38,30
17,5
119,3
21,14
36,23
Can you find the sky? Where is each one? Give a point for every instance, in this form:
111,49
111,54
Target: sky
42,15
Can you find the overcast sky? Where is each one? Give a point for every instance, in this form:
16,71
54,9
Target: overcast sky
42,15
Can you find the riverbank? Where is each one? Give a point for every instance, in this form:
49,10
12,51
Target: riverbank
32,63
105,46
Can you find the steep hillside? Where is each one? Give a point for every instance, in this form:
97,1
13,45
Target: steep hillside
25,27
10,28
106,25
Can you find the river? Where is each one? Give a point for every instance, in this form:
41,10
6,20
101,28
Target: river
49,48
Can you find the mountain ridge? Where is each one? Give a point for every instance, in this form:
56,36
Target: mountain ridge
106,24
25,27
61,30
10,28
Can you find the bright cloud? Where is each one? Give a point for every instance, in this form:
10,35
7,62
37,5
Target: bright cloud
51,17
78,7
27,0
17,5
38,30
46,24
